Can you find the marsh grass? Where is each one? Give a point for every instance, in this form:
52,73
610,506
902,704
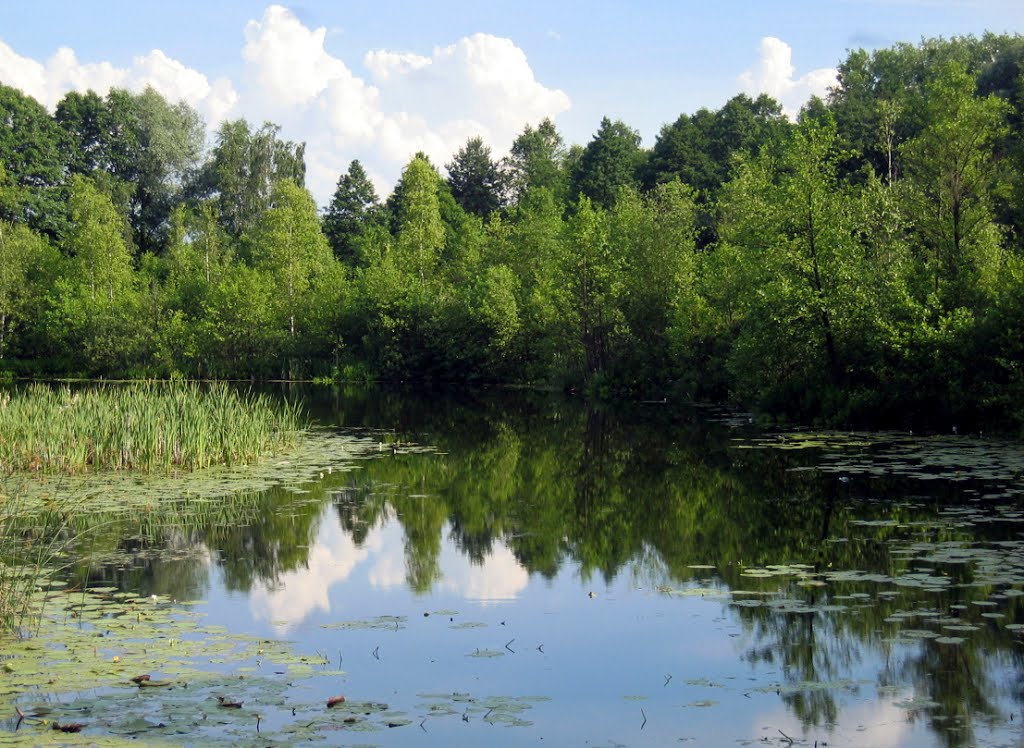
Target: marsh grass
146,426
29,544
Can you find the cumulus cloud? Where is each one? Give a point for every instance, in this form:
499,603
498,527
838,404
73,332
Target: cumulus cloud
880,723
289,60
396,103
499,578
408,102
300,593
48,82
384,64
774,74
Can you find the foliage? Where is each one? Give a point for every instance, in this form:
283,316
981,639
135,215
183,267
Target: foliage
145,426
353,208
610,161
30,156
246,166
860,264
537,159
21,249
475,179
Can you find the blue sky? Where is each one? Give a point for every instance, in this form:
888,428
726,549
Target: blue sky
378,80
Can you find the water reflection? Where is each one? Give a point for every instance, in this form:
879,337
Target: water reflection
532,500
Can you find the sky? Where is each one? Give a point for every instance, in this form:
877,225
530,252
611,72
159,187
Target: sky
380,80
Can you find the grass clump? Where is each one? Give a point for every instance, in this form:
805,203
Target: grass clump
148,426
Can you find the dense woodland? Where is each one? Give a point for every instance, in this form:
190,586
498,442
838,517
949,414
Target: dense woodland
862,265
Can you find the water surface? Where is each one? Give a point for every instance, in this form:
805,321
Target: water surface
526,570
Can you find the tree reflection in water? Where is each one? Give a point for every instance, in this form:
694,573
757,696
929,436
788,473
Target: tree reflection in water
649,493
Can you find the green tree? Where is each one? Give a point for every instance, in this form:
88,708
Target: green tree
84,146
353,207
475,180
170,140
96,311
244,170
289,245
788,231
96,242
421,232
241,333
20,250
138,147
198,256
611,160
30,154
745,125
682,151
537,159
590,282
655,236
952,172
533,249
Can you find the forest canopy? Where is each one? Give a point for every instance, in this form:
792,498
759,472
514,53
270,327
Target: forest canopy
863,264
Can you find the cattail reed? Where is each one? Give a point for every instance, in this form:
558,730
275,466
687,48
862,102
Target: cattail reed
147,426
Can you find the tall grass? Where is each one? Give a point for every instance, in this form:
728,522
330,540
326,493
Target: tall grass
29,542
148,426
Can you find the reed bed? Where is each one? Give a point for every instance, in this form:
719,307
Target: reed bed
148,426
29,542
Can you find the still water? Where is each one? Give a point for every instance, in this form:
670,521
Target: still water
525,570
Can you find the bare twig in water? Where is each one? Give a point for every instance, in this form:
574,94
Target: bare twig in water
376,652
667,679
645,718
508,647
791,741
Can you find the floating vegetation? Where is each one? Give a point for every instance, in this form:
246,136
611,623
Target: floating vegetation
949,457
321,451
147,668
133,666
149,427
504,710
701,704
486,653
390,623
694,591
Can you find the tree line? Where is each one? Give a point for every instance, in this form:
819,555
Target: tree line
862,264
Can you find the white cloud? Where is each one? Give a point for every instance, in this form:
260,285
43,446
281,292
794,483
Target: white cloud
334,559
499,578
773,74
300,593
878,723
289,60
383,64
63,72
22,72
404,102
480,85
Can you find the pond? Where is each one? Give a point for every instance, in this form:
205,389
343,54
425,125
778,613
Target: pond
518,569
